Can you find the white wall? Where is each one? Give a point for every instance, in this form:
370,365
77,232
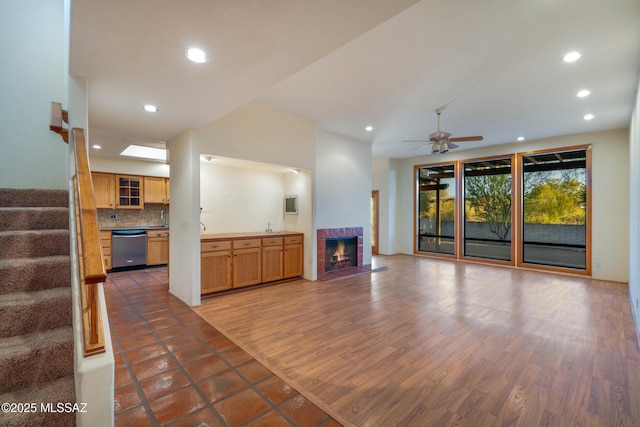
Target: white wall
33,73
343,179
184,241
302,185
634,213
610,190
260,134
240,200
127,166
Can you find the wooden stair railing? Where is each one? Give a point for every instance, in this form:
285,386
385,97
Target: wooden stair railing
58,116
90,260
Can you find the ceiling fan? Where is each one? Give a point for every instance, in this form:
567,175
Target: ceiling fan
441,142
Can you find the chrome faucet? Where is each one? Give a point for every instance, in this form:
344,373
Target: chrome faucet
269,230
163,216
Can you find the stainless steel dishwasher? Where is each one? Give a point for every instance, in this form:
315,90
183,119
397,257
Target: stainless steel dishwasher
129,248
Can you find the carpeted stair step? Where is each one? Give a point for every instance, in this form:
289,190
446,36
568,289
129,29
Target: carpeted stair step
11,197
29,312
33,243
40,218
27,360
30,274
61,390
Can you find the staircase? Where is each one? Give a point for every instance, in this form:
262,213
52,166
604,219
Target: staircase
36,334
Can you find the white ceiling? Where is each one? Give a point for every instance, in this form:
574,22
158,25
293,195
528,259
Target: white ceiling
495,64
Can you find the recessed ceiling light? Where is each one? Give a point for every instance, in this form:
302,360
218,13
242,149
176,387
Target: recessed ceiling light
588,117
583,93
145,152
207,158
521,138
369,128
150,108
196,55
97,147
571,57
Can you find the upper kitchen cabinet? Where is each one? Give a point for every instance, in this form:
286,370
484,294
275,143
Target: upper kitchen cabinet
104,188
129,192
156,190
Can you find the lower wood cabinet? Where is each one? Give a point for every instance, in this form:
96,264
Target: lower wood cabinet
157,247
246,267
292,259
227,264
272,258
105,242
215,271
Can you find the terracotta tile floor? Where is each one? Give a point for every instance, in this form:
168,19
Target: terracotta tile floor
174,369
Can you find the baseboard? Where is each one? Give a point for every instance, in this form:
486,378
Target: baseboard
636,319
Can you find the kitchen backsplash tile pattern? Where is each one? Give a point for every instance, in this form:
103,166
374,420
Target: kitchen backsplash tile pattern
132,218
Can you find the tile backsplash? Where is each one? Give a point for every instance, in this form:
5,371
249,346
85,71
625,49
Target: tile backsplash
132,218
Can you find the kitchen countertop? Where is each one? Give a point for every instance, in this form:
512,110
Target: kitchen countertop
139,227
246,235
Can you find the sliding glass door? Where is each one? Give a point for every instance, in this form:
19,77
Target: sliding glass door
436,194
487,209
554,213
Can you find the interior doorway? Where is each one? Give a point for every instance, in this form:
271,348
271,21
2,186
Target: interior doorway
374,221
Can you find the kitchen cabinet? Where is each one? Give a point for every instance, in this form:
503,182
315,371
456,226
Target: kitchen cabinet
157,247
247,262
292,257
104,190
105,242
215,266
129,192
156,190
236,260
272,259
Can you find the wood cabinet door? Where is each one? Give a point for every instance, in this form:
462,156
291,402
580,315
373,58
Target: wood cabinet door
247,267
293,261
104,189
129,192
105,242
215,271
155,189
271,263
157,250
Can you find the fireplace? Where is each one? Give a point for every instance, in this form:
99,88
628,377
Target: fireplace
339,249
341,252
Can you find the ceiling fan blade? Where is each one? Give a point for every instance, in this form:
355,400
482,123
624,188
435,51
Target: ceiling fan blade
452,145
419,146
415,140
466,139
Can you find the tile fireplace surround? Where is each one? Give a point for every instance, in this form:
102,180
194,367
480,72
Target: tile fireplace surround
336,233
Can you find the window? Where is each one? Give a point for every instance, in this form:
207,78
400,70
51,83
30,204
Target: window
436,209
531,210
554,209
487,209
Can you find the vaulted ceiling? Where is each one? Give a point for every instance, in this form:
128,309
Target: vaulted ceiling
496,65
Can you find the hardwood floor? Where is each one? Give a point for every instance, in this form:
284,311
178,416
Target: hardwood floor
435,342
